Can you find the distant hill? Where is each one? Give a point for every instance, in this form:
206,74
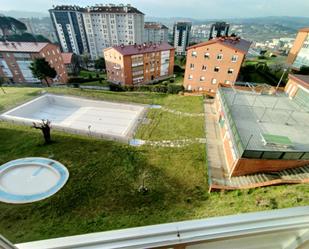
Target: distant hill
293,23
24,14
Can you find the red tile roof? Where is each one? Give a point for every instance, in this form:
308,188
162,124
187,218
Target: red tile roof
67,58
304,30
236,43
154,25
142,49
30,47
301,79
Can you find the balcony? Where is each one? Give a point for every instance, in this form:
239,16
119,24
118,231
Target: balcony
285,229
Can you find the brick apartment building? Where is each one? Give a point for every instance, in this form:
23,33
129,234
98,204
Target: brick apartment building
139,64
297,89
16,57
217,61
299,53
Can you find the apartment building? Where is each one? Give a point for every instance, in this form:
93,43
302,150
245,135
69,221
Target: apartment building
297,89
112,25
16,57
181,37
91,29
139,64
217,61
155,32
70,29
299,53
262,133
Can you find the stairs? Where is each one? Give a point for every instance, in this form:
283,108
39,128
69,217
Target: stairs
296,175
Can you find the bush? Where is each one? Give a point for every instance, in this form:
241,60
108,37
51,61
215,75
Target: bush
80,80
172,80
178,69
262,57
116,88
174,89
159,88
90,76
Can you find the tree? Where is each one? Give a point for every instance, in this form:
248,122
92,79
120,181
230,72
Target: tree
304,70
45,128
86,59
99,64
11,24
42,70
1,83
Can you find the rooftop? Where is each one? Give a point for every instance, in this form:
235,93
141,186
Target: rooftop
30,47
67,58
233,42
262,116
304,30
110,8
301,79
141,49
68,8
154,25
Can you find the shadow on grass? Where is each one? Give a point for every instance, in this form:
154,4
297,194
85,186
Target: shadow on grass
101,193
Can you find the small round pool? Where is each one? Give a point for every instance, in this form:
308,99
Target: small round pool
31,179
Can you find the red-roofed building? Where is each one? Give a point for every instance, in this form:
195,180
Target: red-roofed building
139,64
16,57
297,88
214,62
299,53
71,62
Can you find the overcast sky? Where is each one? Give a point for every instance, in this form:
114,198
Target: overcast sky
182,8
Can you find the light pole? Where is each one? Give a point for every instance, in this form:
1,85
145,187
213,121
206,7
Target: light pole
284,71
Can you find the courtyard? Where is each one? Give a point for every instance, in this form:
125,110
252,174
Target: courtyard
102,191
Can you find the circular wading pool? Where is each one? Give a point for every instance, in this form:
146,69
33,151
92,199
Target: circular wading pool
31,179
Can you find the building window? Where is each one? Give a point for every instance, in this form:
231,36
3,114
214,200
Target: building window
206,55
192,66
227,82
234,58
204,67
219,57
230,71
202,78
217,69
194,54
190,77
214,81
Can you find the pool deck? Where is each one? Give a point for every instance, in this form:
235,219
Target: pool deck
102,119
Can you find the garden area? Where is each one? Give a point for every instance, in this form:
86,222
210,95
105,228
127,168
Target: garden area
264,69
102,192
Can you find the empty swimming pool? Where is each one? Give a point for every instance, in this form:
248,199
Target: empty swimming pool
78,115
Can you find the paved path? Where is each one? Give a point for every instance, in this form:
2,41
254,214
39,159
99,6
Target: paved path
168,143
215,155
187,114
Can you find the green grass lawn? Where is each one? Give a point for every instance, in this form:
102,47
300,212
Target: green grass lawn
101,193
85,74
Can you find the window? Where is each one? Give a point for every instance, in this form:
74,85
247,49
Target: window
190,77
227,82
230,71
219,57
206,55
194,54
202,78
204,67
234,58
217,69
214,81
192,66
